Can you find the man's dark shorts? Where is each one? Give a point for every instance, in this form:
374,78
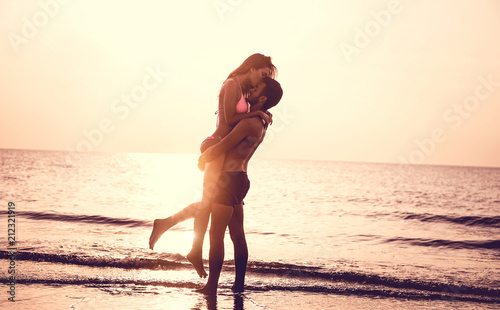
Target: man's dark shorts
232,188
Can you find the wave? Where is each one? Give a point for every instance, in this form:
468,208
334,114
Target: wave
98,219
492,221
305,278
91,219
468,244
99,261
449,293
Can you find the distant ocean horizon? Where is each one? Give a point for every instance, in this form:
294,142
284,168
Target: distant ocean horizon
76,154
427,235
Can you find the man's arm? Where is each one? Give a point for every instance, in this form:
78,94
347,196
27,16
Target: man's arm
230,91
242,130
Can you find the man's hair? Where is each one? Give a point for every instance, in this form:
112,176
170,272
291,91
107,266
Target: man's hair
272,91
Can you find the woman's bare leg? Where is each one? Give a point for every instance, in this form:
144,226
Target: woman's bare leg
160,226
212,173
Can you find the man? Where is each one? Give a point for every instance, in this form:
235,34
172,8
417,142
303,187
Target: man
241,142
227,205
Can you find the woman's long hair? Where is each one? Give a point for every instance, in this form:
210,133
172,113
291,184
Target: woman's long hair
256,61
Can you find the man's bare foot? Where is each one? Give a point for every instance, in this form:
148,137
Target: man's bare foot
207,290
197,261
238,288
159,227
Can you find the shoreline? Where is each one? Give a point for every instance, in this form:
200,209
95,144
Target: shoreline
92,296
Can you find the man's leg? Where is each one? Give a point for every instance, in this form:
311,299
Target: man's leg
210,178
221,215
160,226
240,248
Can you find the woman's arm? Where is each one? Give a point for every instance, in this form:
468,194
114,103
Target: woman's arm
241,131
233,120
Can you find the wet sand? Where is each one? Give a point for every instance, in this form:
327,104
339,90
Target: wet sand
55,297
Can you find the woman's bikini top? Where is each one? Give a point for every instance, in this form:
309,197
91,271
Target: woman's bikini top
241,107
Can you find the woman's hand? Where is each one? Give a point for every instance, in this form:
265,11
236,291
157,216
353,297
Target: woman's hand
267,117
270,116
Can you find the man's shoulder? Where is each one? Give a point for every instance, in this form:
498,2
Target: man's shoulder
251,123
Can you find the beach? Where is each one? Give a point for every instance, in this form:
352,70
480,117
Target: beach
321,235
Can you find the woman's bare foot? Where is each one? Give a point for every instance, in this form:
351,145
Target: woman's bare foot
207,290
160,226
197,261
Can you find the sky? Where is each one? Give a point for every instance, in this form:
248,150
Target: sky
373,81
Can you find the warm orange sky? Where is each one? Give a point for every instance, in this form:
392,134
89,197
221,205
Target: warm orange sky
378,81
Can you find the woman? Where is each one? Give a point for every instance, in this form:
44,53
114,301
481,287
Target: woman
233,107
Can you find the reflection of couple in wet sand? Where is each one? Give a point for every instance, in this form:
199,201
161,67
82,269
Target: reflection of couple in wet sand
225,155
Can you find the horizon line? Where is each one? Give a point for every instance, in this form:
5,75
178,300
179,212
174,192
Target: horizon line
264,158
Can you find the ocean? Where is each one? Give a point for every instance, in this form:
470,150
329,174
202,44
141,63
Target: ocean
321,234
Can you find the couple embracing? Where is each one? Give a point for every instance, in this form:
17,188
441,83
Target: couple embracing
243,117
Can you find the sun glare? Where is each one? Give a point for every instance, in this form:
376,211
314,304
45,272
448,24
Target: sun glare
175,242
